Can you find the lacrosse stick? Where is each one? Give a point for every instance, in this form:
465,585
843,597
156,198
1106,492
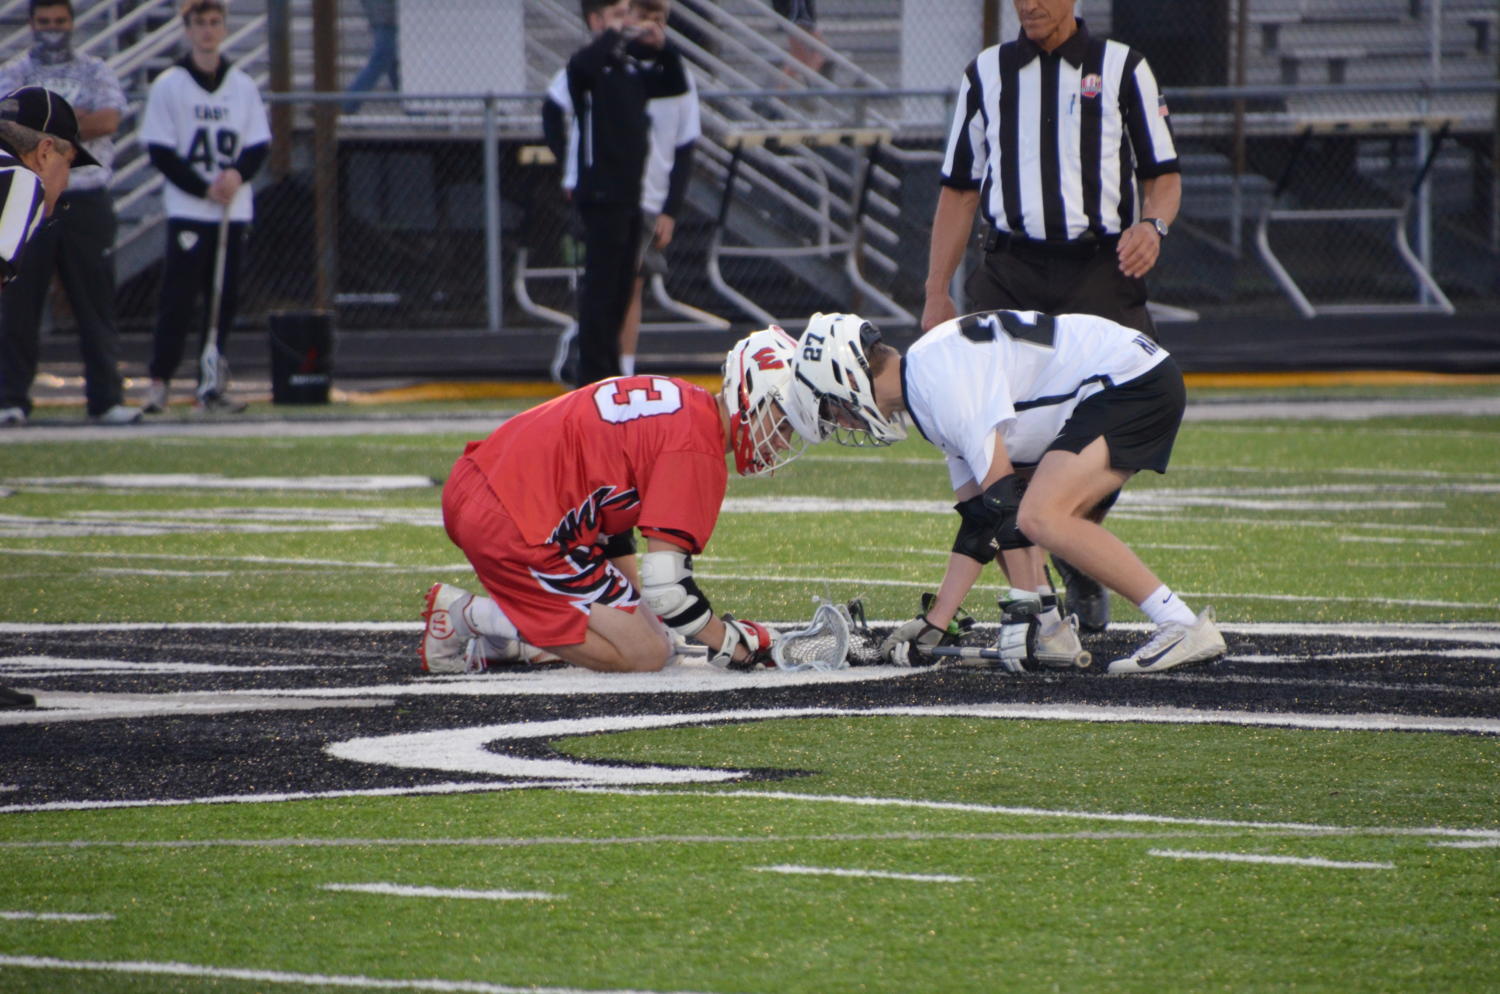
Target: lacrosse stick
970,653
211,366
822,645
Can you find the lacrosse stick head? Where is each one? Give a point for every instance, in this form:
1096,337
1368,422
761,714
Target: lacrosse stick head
757,373
833,393
822,645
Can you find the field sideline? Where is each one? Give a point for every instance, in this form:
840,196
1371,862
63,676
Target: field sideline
238,782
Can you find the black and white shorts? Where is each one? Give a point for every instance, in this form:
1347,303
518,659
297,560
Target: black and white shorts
1138,419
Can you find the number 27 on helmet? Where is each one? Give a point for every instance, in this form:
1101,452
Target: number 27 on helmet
833,390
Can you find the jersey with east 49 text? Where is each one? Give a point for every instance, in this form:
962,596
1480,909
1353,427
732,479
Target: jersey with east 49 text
642,452
1019,373
208,129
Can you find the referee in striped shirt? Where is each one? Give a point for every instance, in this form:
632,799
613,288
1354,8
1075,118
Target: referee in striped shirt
1054,137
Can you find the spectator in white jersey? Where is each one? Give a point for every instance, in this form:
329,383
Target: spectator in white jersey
79,243
39,145
1040,418
206,130
1054,134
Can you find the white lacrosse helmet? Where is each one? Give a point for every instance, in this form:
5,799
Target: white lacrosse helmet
833,395
757,373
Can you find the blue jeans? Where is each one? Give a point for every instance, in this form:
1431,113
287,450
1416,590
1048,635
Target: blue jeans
384,61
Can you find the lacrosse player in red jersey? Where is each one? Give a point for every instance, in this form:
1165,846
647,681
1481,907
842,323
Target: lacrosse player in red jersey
545,509
1040,418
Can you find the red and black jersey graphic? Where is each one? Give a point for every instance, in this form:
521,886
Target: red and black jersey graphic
585,517
594,580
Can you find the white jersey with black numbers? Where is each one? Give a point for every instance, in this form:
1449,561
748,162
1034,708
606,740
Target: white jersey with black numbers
1019,373
208,130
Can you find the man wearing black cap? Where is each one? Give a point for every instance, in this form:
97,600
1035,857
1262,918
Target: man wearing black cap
79,245
38,145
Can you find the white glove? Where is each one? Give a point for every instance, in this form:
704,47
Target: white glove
755,637
906,645
1018,629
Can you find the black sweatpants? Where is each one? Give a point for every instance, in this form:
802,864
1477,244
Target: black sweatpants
611,241
187,283
1021,279
77,243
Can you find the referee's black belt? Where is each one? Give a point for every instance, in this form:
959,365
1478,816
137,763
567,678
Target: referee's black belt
1085,247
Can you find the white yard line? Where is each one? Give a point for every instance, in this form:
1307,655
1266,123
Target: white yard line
402,890
309,795
1455,631
254,560
33,667
52,916
829,871
610,841
178,482
964,807
1234,857
171,969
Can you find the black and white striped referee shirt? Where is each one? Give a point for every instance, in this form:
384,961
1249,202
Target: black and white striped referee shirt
1055,142
21,210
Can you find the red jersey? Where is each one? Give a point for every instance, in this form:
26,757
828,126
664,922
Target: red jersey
641,452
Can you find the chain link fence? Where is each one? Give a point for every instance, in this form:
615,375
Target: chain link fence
827,138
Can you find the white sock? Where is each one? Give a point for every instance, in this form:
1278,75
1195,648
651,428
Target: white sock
484,617
627,365
1164,607
1049,616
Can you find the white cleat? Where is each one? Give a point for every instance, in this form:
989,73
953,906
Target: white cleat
118,415
156,399
1060,648
1174,645
446,636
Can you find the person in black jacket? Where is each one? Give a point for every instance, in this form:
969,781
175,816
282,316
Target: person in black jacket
39,144
608,84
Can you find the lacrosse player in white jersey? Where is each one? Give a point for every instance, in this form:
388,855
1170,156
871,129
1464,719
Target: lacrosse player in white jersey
1040,418
205,129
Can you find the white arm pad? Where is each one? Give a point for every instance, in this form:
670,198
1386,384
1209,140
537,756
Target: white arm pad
670,593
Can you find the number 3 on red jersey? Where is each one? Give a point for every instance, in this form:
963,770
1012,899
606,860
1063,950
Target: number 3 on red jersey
629,397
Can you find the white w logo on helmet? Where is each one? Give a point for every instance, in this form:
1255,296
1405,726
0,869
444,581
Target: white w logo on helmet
757,374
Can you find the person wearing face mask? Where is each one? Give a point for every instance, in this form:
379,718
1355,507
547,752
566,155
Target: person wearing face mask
78,244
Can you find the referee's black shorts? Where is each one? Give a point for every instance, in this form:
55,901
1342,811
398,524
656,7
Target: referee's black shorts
1138,420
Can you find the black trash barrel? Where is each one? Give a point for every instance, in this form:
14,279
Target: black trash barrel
301,356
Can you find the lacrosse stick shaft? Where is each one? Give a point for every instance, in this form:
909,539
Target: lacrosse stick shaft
209,362
1083,660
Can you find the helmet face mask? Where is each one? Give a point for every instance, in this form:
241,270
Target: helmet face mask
757,375
833,395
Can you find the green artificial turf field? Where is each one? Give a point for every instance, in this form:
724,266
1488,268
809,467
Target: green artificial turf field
929,831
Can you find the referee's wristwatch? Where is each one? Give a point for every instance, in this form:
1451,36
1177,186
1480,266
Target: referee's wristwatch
1158,224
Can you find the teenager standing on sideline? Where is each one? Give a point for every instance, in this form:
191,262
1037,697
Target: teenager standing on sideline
206,130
